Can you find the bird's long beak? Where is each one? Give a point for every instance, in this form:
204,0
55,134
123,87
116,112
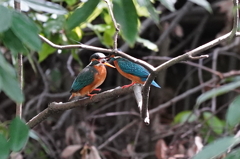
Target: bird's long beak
108,64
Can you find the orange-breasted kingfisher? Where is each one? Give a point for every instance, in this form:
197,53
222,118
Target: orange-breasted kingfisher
92,76
133,71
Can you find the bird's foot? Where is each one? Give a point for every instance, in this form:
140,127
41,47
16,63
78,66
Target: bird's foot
126,86
97,89
91,95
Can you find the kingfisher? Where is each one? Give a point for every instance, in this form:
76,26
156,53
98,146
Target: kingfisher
133,71
92,76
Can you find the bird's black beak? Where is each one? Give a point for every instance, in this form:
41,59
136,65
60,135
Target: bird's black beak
104,61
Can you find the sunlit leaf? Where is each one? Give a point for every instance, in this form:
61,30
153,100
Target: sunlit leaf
183,116
213,122
70,2
203,3
26,31
235,154
217,148
6,20
18,131
45,52
233,113
152,12
54,26
217,91
4,147
148,44
81,14
169,4
126,15
45,6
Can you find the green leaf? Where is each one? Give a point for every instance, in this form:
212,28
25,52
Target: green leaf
233,113
217,148
213,122
233,155
217,91
169,4
203,3
45,6
26,31
45,52
9,81
53,26
148,44
18,131
151,10
80,15
126,15
71,2
11,87
183,116
6,66
12,42
4,147
6,20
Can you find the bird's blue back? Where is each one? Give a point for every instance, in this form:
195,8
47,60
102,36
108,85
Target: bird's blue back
84,78
134,69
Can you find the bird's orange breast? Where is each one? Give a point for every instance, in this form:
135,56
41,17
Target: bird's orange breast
127,75
99,78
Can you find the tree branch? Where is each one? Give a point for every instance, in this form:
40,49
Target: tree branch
17,5
53,107
59,107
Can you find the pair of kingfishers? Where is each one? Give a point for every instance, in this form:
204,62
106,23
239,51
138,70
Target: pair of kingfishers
94,74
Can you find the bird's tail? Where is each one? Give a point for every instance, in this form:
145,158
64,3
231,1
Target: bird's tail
155,84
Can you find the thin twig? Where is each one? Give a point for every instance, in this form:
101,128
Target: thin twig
117,134
191,91
17,5
116,25
98,49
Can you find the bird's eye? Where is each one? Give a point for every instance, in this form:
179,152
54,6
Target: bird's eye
102,60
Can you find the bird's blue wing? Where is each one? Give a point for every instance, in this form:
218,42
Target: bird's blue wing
84,78
132,68
135,69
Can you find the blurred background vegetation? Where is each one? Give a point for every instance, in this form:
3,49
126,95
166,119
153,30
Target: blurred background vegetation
198,101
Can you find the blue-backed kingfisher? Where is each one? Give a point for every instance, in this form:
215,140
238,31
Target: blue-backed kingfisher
92,76
133,71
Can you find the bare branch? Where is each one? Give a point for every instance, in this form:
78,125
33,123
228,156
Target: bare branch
116,25
117,134
59,107
191,91
17,5
198,57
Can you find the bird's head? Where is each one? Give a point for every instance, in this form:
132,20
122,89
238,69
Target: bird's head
98,59
113,58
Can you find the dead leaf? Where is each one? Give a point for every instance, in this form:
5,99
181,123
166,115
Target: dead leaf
70,150
178,31
89,152
94,153
16,155
72,136
161,149
226,7
130,149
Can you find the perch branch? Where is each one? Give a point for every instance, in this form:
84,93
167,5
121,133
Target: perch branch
59,107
